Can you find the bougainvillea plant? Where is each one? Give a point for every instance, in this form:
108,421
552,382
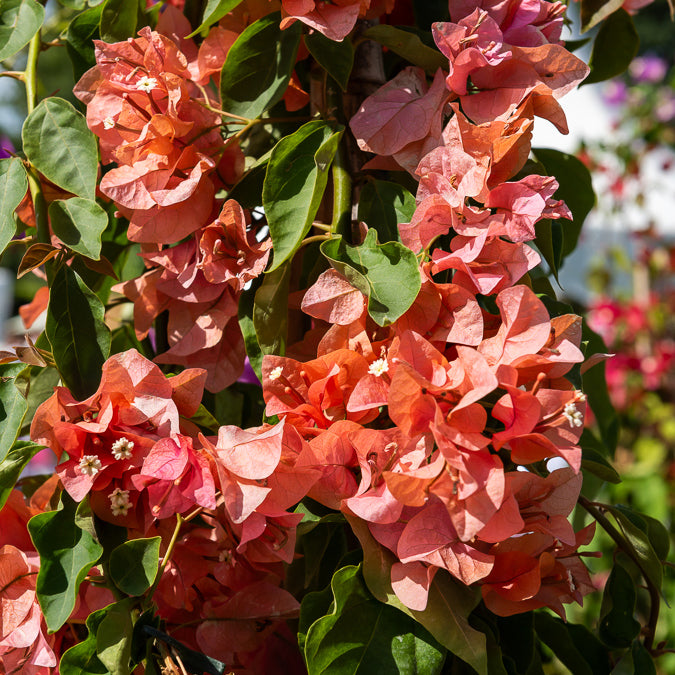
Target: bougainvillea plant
312,402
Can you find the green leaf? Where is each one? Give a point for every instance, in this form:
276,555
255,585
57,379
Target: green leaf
549,241
59,145
658,536
12,466
295,181
617,626
576,189
409,46
258,66
336,58
387,274
615,46
113,636
214,11
594,11
19,21
134,565
118,20
270,311
593,459
643,663
76,330
363,635
13,407
575,646
82,658
67,553
82,30
383,205
13,186
246,309
635,530
79,223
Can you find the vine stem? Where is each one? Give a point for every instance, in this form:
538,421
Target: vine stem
655,600
167,555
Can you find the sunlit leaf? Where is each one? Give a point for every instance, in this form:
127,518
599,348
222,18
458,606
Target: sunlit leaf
13,186
336,58
19,21
134,565
615,46
79,223
409,46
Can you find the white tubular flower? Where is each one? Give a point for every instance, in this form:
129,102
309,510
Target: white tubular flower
108,123
573,416
90,465
146,84
378,367
121,448
119,502
275,373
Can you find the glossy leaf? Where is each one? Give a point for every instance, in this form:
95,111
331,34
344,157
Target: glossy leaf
79,223
549,241
617,626
81,32
576,189
118,20
12,466
409,46
336,58
635,530
78,335
13,407
82,658
19,21
13,186
593,459
258,67
643,663
576,647
67,553
134,565
295,181
387,274
214,11
246,309
594,11
113,637
270,311
615,46
383,205
59,145
363,635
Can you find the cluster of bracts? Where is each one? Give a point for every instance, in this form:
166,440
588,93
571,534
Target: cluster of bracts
432,434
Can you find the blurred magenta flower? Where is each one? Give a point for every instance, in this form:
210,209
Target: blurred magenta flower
615,93
648,68
6,147
664,110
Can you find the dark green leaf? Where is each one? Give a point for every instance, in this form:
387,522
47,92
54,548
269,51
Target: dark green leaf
258,66
615,46
67,553
593,459
595,388
78,335
19,21
82,658
383,205
82,30
246,309
270,311
134,565
248,190
575,646
576,189
336,58
295,181
12,466
58,143
13,407
313,607
362,635
387,274
79,223
658,535
635,530
13,186
214,11
409,46
118,20
594,11
549,241
617,626
643,663
113,637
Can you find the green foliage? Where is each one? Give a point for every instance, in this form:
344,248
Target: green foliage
615,46
134,565
19,21
618,626
258,67
295,181
595,11
119,19
270,311
214,11
383,205
336,58
13,464
371,267
79,224
58,143
82,659
13,186
13,407
67,553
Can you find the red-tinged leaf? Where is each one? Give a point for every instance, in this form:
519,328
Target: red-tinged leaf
333,299
102,266
36,255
